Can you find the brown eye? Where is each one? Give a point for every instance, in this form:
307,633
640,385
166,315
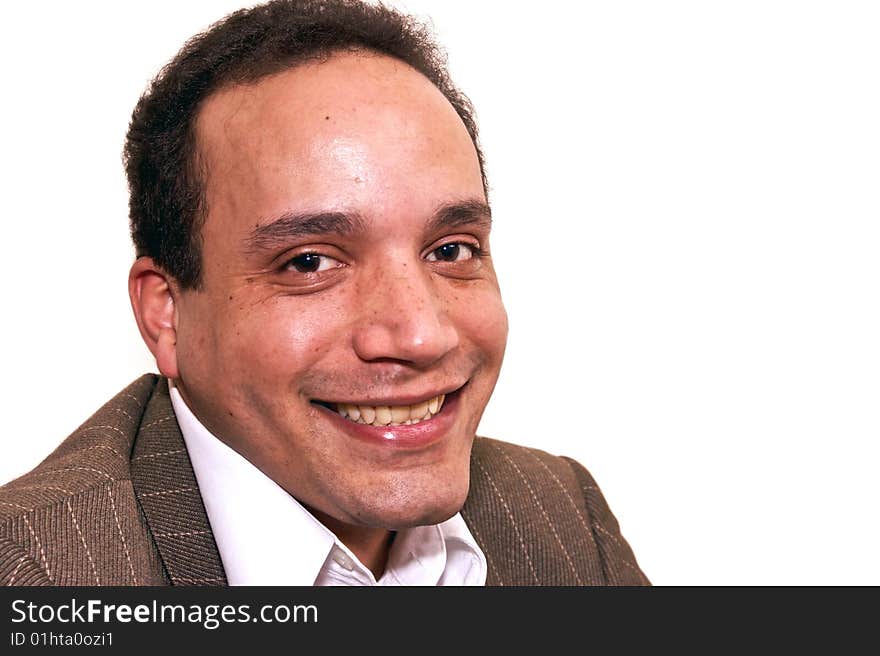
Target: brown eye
452,252
312,263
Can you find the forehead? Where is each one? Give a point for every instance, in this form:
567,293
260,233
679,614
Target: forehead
335,132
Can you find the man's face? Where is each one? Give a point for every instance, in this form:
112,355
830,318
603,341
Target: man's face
345,263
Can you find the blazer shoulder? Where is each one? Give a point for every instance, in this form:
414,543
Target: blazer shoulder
544,520
534,476
75,519
621,567
97,452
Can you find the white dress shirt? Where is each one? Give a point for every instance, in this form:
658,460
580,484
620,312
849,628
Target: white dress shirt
266,537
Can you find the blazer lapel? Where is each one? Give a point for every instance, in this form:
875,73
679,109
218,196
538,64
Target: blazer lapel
168,493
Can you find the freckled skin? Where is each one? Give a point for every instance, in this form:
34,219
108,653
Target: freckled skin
255,346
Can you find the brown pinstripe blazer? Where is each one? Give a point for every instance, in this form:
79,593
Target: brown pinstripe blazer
117,503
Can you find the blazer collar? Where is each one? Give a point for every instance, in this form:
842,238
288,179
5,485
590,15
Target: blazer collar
166,488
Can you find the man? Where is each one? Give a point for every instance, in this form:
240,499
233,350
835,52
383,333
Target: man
309,211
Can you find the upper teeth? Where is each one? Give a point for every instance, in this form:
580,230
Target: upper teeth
394,415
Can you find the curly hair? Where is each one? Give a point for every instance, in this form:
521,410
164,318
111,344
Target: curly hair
165,176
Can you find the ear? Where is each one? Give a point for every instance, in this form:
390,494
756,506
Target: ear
152,295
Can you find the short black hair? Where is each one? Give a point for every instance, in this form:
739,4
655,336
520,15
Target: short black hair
165,176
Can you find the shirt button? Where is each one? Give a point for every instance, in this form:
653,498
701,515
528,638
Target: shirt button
343,560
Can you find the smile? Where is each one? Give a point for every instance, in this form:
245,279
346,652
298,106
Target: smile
390,415
409,423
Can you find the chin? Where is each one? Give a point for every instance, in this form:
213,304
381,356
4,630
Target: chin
416,510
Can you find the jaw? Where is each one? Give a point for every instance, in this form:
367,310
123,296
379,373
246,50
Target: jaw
417,497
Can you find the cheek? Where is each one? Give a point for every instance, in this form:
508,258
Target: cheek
280,337
482,320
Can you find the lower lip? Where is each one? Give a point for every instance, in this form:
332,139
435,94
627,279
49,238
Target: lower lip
414,436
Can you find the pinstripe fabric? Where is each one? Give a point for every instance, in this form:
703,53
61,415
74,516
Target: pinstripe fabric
117,503
541,520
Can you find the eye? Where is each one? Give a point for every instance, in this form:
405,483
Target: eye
451,252
312,263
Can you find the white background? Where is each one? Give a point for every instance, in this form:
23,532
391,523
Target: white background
687,203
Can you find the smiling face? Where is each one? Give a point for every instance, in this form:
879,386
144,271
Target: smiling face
347,290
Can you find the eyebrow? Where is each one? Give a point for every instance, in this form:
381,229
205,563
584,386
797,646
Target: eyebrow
295,225
461,213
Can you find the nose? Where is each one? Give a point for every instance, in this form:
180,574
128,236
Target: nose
402,316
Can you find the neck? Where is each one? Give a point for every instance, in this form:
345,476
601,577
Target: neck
370,545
